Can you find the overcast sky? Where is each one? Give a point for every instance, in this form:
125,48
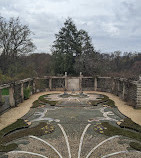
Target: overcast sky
112,24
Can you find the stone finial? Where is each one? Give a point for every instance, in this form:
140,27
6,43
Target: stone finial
65,73
80,73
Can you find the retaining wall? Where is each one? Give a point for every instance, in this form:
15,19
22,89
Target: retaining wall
129,91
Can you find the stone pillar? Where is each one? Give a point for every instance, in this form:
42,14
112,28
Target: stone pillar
95,83
118,85
66,82
22,92
113,85
138,105
50,84
123,90
11,96
34,86
80,81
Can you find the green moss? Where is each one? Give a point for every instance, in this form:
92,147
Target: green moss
5,91
128,123
35,104
11,133
43,100
113,130
110,102
20,123
103,100
39,130
94,102
135,145
8,148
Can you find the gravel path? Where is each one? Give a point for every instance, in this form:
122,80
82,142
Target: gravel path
13,114
129,111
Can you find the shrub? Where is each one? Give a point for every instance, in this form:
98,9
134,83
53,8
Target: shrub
27,92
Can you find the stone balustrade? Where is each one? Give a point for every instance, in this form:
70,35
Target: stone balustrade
129,91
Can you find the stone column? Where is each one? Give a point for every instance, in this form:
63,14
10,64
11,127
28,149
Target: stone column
95,83
22,92
34,86
123,90
118,85
66,82
80,81
50,84
113,84
11,96
138,105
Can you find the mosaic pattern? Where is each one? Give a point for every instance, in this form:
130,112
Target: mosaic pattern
77,131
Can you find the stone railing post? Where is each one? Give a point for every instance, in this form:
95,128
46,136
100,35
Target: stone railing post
138,105
22,92
80,81
118,85
95,83
66,81
34,86
11,95
123,90
50,83
113,84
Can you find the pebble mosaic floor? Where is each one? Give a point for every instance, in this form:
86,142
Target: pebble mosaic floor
76,123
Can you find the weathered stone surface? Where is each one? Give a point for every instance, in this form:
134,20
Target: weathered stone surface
129,91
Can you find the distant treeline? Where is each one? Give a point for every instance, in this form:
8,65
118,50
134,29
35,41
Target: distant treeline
71,52
127,65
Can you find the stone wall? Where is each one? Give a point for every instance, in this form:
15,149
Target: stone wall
16,90
129,91
125,89
139,93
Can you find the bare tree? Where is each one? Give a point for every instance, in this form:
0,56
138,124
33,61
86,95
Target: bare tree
14,40
15,37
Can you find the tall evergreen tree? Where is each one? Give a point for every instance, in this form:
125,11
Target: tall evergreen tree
85,61
65,47
70,46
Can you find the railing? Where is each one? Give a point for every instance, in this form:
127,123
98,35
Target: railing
129,91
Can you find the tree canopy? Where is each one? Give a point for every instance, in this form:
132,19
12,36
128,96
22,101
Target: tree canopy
15,40
70,44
